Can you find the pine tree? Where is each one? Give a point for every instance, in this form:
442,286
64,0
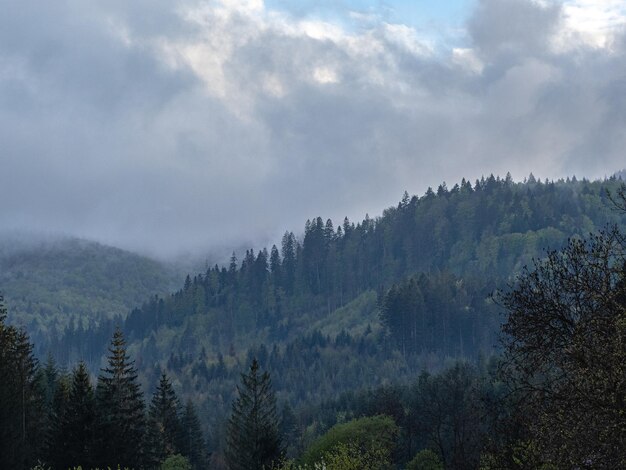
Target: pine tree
165,432
56,444
121,419
253,437
78,421
193,444
50,377
289,261
22,409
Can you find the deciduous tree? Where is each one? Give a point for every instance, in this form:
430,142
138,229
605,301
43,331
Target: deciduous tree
566,352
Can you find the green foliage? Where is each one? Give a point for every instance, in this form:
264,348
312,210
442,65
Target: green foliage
439,313
48,282
121,419
85,427
522,454
448,410
176,462
253,440
352,456
308,309
490,230
22,418
566,355
372,435
425,459
77,443
165,433
354,317
193,445
347,456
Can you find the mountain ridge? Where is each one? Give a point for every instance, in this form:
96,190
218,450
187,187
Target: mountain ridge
47,281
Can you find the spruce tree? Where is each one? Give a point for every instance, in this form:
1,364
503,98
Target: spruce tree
22,409
56,444
78,421
165,432
193,444
121,418
50,379
253,437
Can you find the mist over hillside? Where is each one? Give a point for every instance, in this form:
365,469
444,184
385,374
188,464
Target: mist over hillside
335,313
52,280
304,235
337,291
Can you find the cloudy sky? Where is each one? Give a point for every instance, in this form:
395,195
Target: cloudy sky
168,126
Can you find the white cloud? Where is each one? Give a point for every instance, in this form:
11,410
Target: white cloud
165,125
467,58
407,37
591,22
325,75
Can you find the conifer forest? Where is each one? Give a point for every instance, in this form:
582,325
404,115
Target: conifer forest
478,326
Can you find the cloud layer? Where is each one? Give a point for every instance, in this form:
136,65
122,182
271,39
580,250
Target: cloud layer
172,126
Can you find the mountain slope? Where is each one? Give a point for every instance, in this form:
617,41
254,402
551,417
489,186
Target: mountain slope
310,310
47,282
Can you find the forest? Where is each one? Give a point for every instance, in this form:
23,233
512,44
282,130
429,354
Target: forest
478,326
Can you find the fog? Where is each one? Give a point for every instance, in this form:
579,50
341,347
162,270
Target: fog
177,127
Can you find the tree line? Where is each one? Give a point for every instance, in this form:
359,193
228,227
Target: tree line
421,274
487,230
64,421
430,310
554,399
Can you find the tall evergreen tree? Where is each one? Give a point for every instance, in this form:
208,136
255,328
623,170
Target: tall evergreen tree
121,418
78,421
165,431
253,437
289,261
193,444
56,443
50,379
22,413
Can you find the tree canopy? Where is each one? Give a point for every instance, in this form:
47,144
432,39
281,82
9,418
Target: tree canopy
565,351
253,439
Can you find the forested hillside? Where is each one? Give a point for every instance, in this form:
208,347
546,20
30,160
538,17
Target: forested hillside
345,307
51,283
339,309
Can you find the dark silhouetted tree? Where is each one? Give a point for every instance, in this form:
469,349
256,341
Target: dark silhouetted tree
253,439
165,432
22,413
78,420
193,444
566,352
121,419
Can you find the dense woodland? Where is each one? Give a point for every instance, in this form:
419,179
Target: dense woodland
388,330
51,283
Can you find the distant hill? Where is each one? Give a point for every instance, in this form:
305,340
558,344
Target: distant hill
621,175
49,282
336,309
485,231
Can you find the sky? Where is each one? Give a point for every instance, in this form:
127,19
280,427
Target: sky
184,126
